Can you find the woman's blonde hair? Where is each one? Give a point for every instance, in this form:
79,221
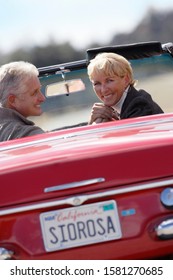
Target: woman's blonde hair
111,64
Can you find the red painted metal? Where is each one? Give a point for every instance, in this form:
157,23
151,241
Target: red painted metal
126,153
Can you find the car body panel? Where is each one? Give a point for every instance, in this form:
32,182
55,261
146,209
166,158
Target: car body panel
127,161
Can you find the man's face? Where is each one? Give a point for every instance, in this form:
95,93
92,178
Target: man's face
29,102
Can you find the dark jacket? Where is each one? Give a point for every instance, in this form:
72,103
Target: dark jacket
13,125
139,103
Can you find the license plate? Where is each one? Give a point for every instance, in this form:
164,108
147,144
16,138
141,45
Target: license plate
78,226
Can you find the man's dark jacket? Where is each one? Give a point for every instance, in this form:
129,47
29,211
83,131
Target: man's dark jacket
139,103
14,125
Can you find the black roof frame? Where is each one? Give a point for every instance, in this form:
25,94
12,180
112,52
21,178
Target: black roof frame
129,51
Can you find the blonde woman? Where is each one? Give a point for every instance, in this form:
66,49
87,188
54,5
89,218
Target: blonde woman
112,78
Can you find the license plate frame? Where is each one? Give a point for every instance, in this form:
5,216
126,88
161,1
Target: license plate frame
80,226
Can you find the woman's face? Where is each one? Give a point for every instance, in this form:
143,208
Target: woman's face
109,89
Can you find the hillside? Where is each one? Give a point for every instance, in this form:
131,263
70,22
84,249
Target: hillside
155,26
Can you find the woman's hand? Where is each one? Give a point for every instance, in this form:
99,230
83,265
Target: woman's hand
102,113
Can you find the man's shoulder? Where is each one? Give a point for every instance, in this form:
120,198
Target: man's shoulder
13,125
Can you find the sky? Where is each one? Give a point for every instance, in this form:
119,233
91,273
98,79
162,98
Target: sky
26,23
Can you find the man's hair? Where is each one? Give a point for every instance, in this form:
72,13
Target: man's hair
111,64
13,78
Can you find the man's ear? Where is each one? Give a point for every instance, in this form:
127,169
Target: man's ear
11,100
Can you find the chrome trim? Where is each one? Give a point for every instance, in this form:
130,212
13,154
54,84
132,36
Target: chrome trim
5,254
165,229
168,47
166,197
75,185
83,198
86,132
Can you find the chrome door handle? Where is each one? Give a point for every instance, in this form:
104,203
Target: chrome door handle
75,184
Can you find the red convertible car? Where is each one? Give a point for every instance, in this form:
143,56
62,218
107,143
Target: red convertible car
90,192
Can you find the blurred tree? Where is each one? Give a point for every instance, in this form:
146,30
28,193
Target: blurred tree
47,55
54,54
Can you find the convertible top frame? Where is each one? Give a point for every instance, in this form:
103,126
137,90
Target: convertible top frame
129,51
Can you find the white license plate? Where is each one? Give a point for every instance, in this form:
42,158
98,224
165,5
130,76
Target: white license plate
78,226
